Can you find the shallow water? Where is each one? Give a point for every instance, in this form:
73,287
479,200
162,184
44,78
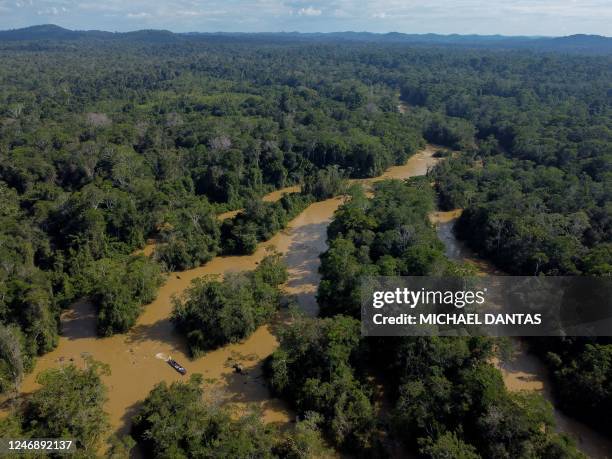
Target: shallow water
456,249
137,359
525,371
134,358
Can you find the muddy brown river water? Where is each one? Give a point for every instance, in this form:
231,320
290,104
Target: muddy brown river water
525,371
135,369
134,357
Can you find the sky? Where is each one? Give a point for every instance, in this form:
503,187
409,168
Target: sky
506,17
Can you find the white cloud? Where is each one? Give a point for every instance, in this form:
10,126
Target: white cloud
140,15
561,9
531,17
310,11
23,3
189,13
51,11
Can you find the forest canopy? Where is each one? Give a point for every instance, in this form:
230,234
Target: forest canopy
447,398
107,145
213,312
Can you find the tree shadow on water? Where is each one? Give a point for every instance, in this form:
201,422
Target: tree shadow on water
79,322
125,427
248,388
160,331
302,259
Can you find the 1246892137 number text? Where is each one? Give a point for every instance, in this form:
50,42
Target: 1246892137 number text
19,445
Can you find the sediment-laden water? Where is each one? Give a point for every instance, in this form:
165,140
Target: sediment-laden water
134,357
137,359
525,371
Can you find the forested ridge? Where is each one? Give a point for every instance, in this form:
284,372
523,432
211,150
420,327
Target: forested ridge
104,145
578,43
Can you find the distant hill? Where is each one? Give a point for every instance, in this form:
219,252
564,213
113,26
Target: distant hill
40,32
581,43
589,44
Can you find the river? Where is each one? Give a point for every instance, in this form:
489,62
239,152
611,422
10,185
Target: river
134,357
135,369
525,371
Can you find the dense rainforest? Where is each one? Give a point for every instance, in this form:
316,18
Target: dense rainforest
446,397
105,145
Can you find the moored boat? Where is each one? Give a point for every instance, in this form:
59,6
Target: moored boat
177,366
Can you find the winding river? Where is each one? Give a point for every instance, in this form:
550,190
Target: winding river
134,357
525,371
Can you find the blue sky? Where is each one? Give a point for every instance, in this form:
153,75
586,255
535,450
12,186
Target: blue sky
508,17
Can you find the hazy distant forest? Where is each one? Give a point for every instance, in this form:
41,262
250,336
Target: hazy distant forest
104,145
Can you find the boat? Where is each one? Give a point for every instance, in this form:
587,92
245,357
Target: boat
177,366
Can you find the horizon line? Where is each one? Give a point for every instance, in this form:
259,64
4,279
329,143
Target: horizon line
305,33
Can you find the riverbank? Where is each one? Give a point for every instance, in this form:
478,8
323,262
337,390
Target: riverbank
525,371
132,356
